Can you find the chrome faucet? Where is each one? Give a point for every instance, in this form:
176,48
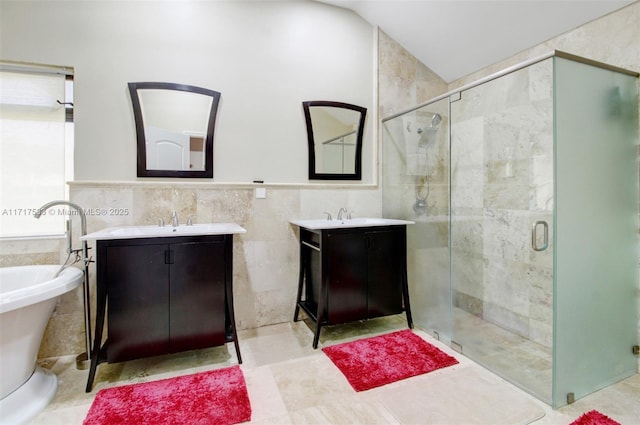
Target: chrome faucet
174,219
85,260
340,213
83,218
83,225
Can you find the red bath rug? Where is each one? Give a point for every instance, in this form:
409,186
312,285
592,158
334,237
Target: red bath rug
214,397
594,417
373,362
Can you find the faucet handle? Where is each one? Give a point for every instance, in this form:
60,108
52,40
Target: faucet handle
190,220
328,215
160,222
174,219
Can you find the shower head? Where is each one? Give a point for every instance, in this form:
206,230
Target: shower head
428,133
435,120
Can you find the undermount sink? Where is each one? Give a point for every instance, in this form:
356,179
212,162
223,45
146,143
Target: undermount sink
319,224
132,232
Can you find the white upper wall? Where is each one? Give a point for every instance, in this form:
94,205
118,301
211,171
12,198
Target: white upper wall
265,57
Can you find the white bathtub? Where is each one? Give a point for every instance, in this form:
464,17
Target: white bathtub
28,295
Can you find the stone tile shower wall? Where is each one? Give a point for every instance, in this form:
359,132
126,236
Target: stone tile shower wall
403,82
612,39
412,174
502,181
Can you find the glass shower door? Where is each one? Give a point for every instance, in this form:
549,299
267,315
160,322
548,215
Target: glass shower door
524,252
501,184
415,152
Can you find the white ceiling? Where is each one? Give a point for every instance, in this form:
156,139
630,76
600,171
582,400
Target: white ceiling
457,37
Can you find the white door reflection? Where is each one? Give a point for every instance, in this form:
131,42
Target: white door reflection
167,150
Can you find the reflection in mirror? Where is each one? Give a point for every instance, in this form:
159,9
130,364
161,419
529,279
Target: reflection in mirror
334,132
174,127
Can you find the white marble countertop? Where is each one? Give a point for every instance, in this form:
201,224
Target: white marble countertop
320,224
133,232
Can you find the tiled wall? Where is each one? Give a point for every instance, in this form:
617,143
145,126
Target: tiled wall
403,81
502,180
406,83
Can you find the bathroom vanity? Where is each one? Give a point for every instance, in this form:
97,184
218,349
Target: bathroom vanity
168,289
352,270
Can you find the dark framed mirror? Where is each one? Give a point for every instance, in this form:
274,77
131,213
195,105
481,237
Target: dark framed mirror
175,125
334,133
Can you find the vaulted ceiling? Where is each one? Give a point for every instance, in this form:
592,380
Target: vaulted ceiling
457,37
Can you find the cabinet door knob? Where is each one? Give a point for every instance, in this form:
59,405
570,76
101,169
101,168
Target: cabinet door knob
168,256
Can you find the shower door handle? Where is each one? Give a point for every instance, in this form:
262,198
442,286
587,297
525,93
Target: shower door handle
534,235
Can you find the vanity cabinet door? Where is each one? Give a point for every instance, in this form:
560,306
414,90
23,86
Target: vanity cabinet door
386,257
197,295
137,279
347,276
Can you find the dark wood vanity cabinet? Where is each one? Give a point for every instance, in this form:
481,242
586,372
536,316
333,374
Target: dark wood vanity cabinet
352,274
164,298
164,295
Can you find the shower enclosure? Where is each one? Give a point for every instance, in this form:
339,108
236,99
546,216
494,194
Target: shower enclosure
524,189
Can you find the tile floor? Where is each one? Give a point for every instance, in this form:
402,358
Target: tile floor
506,353
291,383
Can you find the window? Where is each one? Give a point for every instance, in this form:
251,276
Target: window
36,147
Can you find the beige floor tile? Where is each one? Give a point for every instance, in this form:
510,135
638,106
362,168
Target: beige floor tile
344,411
266,402
310,381
63,416
273,344
466,395
291,383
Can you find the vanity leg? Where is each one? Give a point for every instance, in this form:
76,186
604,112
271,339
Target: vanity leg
237,346
320,313
228,286
301,273
232,326
101,302
316,335
405,293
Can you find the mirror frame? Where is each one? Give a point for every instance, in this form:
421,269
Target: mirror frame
313,175
141,138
